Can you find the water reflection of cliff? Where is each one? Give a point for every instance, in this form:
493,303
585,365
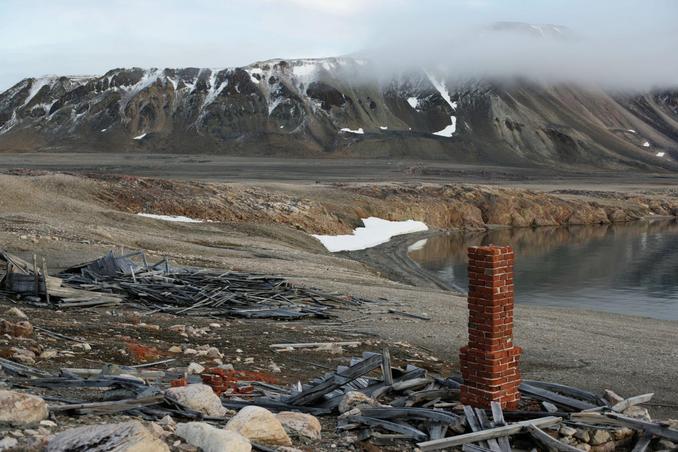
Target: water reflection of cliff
640,258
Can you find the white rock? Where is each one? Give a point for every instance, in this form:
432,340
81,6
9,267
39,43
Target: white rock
212,439
198,397
300,424
195,368
174,349
600,437
259,425
214,353
18,313
129,436
48,423
353,399
567,431
8,443
48,354
215,325
190,351
83,346
638,412
21,409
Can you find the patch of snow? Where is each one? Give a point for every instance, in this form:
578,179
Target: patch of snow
36,86
449,130
140,137
414,102
646,144
416,246
253,71
661,154
282,127
305,70
359,131
442,89
374,232
103,130
631,130
174,218
214,90
383,128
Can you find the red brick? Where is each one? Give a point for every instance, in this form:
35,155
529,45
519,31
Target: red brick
489,363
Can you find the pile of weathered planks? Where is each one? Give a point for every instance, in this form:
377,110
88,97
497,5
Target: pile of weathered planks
112,280
397,405
373,401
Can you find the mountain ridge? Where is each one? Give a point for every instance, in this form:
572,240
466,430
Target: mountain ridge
344,106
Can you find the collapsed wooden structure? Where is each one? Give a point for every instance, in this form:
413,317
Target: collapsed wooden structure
114,280
403,406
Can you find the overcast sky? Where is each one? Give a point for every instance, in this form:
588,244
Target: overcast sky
91,36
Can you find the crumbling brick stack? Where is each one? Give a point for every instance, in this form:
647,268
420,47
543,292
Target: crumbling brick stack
489,363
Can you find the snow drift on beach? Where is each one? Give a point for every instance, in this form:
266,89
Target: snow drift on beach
374,232
174,218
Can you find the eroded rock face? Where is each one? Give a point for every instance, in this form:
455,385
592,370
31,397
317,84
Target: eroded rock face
198,397
300,424
124,437
212,439
259,425
21,409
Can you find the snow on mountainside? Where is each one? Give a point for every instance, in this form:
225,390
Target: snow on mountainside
312,107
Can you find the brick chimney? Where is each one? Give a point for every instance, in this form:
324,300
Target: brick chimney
489,363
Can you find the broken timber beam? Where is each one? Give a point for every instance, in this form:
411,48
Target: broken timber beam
484,435
553,397
631,401
337,380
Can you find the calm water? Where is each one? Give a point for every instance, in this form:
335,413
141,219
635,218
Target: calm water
628,269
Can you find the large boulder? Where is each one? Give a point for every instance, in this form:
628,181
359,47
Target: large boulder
129,436
300,424
212,439
260,426
198,397
21,409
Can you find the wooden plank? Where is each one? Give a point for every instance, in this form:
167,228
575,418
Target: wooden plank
496,432
559,399
474,448
315,345
386,366
642,443
339,379
498,416
408,314
403,429
485,424
631,401
109,407
568,391
549,442
474,424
